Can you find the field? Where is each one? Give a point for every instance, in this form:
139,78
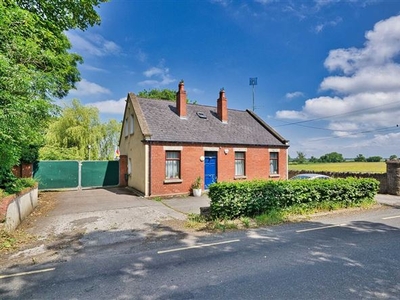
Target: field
358,167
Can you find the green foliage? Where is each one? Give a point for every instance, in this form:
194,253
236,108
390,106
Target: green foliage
64,14
301,157
250,198
374,159
79,126
36,66
197,183
393,157
271,217
164,94
360,158
332,157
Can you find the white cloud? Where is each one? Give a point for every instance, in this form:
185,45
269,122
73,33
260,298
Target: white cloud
294,95
363,114
381,47
322,26
92,44
162,77
369,79
369,82
224,3
110,106
291,115
84,88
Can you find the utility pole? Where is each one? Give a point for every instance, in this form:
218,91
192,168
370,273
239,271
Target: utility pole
253,82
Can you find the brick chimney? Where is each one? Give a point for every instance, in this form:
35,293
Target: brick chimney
181,100
222,107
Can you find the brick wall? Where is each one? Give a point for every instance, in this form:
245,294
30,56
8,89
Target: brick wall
256,166
23,170
123,169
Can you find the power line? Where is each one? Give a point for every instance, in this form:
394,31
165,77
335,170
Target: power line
336,115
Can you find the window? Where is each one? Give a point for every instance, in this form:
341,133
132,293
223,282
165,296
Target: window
172,164
126,127
239,163
273,162
131,124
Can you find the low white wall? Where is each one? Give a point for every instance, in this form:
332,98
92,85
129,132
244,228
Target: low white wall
20,208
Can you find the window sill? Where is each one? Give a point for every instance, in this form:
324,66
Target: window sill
274,175
173,180
240,177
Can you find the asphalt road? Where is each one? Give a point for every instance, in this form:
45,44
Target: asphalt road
351,256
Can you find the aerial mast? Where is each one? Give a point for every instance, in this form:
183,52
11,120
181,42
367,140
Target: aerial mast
253,82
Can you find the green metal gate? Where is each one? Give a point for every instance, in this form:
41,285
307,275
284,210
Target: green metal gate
54,174
99,173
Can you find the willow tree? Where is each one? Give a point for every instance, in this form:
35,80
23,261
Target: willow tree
78,133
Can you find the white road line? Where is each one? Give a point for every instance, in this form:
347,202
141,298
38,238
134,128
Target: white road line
197,246
26,273
392,217
320,228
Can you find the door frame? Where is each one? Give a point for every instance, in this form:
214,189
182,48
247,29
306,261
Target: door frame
208,154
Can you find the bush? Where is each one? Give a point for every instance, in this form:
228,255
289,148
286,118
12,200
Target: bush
250,198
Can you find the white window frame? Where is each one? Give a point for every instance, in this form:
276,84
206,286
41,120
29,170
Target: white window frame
172,165
274,163
240,164
131,124
126,128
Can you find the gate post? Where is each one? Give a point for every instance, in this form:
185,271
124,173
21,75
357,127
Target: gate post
123,170
393,177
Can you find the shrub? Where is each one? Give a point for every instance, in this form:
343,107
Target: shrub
250,198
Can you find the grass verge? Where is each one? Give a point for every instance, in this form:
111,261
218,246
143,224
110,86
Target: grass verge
278,216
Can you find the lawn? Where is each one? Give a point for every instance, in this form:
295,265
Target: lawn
359,167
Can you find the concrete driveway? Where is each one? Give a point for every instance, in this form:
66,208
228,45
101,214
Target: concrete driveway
111,209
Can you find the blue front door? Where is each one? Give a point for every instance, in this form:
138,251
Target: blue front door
210,168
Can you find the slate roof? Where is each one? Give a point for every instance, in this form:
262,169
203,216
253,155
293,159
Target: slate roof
162,122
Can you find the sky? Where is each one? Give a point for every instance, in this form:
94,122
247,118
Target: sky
328,71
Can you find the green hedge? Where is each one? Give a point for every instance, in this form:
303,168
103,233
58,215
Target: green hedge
250,198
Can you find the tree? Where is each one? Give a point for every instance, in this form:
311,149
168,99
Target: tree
165,94
374,159
393,157
78,130
313,159
332,157
110,139
360,158
301,157
35,67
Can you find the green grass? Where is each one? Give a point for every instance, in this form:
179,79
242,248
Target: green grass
351,166
293,213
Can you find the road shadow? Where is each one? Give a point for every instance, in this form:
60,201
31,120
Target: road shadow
315,256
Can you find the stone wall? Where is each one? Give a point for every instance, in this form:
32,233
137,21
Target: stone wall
393,177
15,208
382,178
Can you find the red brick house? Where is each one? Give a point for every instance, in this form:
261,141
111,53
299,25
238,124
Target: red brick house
166,145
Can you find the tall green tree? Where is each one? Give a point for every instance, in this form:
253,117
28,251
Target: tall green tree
35,67
301,157
360,158
332,157
110,139
164,94
78,133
